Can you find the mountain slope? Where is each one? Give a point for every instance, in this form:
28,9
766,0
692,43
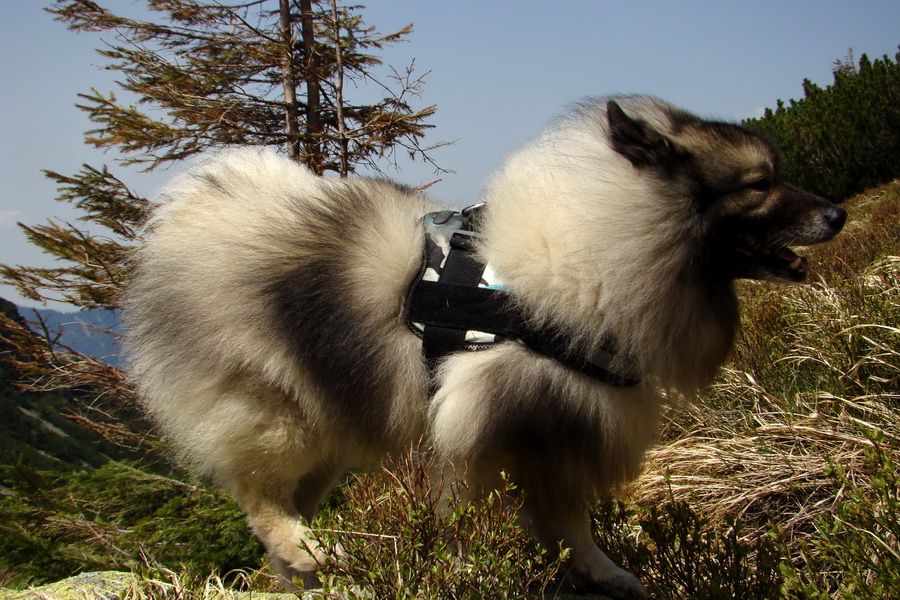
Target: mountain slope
34,426
91,332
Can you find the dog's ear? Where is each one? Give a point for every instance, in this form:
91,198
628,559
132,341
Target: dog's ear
640,143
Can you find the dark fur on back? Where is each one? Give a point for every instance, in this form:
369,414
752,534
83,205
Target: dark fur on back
345,351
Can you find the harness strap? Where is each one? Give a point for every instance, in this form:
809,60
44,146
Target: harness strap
461,307
452,305
548,343
459,279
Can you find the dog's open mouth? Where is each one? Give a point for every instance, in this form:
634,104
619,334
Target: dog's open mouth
769,262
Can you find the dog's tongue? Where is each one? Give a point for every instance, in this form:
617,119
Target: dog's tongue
798,263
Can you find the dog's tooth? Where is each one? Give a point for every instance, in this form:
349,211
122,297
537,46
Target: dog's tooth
796,263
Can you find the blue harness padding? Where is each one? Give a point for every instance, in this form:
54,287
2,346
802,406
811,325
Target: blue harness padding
456,303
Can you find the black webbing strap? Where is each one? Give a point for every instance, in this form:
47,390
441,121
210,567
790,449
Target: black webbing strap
448,310
548,342
460,308
453,292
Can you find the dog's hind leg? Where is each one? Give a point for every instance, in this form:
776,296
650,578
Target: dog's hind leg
272,509
555,518
588,568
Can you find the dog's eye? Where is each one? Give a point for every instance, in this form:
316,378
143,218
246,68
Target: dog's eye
762,184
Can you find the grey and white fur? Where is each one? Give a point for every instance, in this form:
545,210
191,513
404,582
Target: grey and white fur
267,337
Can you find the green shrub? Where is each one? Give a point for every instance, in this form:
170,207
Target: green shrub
845,138
404,536
855,553
678,553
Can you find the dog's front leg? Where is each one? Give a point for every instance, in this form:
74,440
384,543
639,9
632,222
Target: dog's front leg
273,506
588,568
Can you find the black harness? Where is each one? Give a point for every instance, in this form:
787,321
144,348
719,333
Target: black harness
453,302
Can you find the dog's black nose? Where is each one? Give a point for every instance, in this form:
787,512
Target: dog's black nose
836,218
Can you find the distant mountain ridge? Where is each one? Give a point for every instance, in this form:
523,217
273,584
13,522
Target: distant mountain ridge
92,332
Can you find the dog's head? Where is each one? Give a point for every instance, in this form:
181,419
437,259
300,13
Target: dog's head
750,215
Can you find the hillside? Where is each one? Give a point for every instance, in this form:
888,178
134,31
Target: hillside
781,481
34,427
90,332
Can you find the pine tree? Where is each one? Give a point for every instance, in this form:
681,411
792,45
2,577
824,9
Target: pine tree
841,139
206,73
252,72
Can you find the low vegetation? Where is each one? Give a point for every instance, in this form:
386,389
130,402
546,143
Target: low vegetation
781,481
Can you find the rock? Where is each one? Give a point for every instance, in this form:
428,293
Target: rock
115,585
104,585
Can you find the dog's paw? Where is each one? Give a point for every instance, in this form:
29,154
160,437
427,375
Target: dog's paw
294,578
606,578
298,571
621,586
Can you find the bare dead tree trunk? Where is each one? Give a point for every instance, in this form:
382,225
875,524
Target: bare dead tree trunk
339,91
313,88
289,82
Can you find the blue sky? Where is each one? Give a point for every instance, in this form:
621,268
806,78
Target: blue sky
499,72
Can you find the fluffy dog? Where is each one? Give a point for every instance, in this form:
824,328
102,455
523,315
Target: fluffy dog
267,327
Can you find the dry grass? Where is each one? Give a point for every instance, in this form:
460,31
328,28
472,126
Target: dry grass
802,424
745,479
